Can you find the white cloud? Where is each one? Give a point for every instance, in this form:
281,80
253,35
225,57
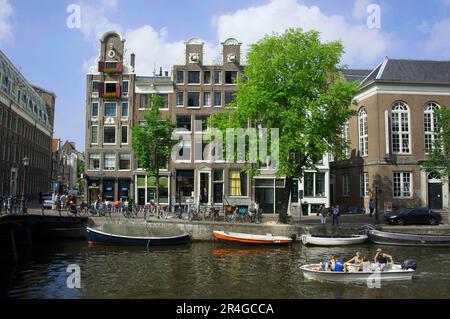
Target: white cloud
362,45
438,42
5,27
360,9
94,18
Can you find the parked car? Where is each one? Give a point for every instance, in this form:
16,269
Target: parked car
47,200
413,216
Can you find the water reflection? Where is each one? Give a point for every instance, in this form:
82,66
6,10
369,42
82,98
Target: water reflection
210,270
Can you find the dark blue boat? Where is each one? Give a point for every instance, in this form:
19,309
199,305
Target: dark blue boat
99,237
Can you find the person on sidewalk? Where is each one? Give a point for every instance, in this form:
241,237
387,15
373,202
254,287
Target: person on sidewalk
336,214
323,214
371,207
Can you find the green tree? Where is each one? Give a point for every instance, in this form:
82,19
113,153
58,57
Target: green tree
152,143
439,158
293,82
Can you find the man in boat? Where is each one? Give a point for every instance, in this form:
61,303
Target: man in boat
382,259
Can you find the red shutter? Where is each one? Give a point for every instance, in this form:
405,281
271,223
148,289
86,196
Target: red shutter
118,89
101,89
119,67
101,66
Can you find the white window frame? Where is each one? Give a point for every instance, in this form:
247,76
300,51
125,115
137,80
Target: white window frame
397,112
363,124
128,135
184,99
199,78
210,77
121,109
91,135
95,94
214,99
204,99
364,185
184,77
199,100
104,108
118,166
429,112
346,138
115,137
128,86
402,176
104,162
99,162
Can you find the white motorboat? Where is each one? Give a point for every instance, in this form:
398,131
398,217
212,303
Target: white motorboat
395,272
333,241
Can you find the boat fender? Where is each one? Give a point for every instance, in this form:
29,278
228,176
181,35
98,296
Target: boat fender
409,264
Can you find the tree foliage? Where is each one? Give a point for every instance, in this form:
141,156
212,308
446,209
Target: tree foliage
293,82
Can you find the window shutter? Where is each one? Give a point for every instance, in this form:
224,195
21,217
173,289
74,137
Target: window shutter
118,89
101,89
101,66
119,67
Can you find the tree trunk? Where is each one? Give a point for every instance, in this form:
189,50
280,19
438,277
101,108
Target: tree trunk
157,193
285,200
448,203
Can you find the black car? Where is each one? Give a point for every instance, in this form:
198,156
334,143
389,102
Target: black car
413,216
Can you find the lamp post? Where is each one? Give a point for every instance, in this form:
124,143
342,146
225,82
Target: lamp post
179,180
25,163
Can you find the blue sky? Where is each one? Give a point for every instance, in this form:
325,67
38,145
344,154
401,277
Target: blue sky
34,35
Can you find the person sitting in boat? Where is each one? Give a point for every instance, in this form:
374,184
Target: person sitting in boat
332,263
382,259
324,265
356,263
339,266
366,265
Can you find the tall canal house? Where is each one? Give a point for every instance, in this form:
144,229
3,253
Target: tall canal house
26,130
196,90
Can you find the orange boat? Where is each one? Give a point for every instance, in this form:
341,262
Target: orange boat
250,239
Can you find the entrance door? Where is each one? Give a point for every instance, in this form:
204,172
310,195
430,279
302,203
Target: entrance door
435,196
141,196
204,188
218,193
265,198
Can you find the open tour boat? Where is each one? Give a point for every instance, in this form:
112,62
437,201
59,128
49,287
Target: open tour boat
395,272
249,239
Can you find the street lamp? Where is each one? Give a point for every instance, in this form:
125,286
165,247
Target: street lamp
25,163
179,180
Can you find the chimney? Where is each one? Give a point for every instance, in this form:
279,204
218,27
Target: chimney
166,73
133,59
160,71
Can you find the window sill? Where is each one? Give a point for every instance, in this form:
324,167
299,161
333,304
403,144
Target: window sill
109,144
194,107
180,106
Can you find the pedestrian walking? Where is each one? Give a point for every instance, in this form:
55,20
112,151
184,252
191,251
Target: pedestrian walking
323,214
336,214
371,207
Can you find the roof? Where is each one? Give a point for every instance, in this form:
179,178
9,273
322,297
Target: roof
410,71
352,75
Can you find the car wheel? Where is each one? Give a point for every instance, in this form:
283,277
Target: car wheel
433,221
400,222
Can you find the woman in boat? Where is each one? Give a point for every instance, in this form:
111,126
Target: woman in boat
356,263
332,263
382,259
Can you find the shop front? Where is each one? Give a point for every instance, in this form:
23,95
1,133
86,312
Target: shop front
146,189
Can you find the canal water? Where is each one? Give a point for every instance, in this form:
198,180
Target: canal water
208,270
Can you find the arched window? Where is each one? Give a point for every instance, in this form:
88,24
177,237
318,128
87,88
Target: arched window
400,129
363,133
429,125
